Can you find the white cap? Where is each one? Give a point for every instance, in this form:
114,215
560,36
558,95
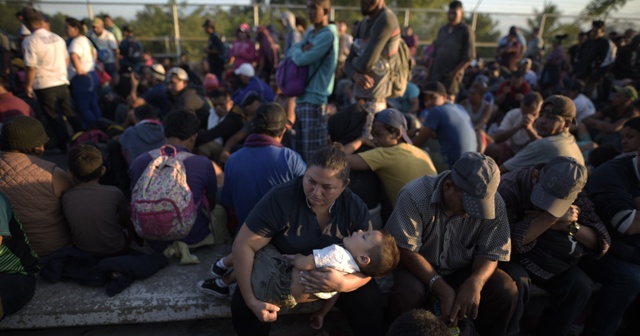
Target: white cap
245,69
179,73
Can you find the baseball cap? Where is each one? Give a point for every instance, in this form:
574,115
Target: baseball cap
395,119
245,69
158,71
269,117
244,27
561,105
628,90
478,176
179,73
559,184
127,29
434,87
97,22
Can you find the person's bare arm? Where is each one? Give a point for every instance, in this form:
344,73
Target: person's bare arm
424,134
328,279
244,248
300,261
468,294
356,162
75,59
31,77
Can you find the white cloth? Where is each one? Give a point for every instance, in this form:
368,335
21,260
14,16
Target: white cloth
108,41
213,121
584,107
47,53
520,138
334,256
82,47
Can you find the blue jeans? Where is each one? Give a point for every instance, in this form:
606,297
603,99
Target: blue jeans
620,287
84,90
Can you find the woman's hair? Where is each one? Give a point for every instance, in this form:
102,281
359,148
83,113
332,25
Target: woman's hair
72,22
332,157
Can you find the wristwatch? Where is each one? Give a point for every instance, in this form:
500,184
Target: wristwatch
573,228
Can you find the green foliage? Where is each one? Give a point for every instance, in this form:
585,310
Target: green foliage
603,7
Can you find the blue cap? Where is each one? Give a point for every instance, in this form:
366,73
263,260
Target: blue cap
395,119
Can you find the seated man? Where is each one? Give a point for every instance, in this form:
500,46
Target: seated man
452,229
251,84
553,225
556,116
447,122
146,135
183,97
181,129
395,160
231,119
245,182
609,121
98,215
18,263
516,129
34,186
511,92
613,188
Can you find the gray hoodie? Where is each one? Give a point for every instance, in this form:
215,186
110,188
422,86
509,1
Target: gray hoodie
144,136
293,35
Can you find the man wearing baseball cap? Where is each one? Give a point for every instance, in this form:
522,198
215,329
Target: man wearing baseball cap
557,114
553,224
183,97
251,85
609,120
108,41
452,229
395,160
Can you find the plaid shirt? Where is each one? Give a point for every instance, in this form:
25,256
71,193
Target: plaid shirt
419,224
515,188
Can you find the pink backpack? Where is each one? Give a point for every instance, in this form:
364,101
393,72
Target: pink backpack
162,205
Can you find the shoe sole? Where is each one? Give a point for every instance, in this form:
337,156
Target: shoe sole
212,292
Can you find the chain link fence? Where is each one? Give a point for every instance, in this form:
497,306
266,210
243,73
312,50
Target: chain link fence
168,30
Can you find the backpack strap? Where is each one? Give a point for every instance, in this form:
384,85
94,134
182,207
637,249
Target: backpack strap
322,59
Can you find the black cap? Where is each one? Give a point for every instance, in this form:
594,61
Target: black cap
434,87
269,118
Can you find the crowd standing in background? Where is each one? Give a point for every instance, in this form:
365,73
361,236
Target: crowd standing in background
486,175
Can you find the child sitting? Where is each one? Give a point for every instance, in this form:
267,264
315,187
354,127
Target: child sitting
98,215
276,278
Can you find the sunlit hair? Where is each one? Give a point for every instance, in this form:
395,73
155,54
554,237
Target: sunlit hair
332,157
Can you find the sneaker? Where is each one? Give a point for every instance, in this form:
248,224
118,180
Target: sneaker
219,272
210,287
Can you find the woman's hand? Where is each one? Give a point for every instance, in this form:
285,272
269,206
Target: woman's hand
325,279
266,312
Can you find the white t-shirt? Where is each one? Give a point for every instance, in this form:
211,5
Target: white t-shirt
520,138
47,53
584,107
82,47
108,41
337,257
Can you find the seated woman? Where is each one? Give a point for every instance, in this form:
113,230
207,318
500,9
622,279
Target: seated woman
310,212
34,186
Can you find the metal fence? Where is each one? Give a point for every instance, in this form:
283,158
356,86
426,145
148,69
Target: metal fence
175,28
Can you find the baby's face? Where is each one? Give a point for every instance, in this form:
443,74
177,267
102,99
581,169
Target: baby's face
360,242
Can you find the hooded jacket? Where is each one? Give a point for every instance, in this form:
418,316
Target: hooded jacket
145,136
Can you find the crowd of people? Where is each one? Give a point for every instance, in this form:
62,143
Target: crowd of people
476,180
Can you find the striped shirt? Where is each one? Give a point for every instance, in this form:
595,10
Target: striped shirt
16,255
419,224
